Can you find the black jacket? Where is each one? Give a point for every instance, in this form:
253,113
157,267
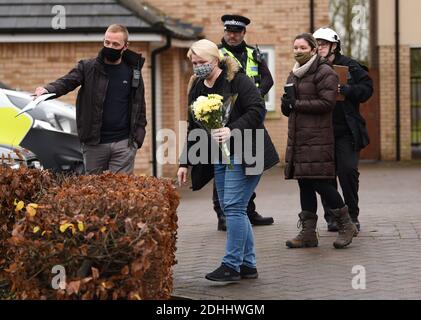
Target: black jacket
90,75
358,90
248,113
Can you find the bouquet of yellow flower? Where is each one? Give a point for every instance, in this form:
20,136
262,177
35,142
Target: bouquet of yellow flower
212,112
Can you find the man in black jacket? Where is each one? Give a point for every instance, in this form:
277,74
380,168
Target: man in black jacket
254,66
349,126
110,106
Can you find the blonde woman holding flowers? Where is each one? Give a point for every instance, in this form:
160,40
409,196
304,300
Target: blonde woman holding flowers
215,75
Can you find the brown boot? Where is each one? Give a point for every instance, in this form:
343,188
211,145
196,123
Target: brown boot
347,230
307,236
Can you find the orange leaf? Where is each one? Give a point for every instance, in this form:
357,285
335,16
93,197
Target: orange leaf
73,287
31,209
107,284
125,270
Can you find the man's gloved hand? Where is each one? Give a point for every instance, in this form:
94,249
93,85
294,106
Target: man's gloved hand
288,104
345,89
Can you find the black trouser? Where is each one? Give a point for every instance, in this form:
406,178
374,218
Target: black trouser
346,159
324,187
251,207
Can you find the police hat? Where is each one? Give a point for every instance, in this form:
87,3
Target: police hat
234,22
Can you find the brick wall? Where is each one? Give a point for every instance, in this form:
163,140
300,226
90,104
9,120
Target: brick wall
26,66
388,103
175,75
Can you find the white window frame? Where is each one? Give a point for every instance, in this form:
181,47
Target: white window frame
270,97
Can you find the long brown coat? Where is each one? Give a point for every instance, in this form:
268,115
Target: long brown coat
310,149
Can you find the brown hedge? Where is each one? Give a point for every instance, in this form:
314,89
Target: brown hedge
115,236
28,185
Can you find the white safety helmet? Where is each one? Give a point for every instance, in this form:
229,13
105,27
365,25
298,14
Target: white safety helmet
327,34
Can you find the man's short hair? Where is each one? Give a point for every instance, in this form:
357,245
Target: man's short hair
119,28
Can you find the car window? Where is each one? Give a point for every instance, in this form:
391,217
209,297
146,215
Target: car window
59,113
51,114
18,101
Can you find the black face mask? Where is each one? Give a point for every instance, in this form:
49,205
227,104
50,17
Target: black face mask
111,54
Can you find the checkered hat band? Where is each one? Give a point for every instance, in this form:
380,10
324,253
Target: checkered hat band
234,23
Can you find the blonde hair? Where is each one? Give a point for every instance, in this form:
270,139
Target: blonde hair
205,49
114,28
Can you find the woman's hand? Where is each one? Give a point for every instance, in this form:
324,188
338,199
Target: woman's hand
182,176
287,105
221,134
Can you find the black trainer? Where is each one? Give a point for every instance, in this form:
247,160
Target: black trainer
257,220
224,274
248,273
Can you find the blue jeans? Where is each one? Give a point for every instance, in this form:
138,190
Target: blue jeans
234,192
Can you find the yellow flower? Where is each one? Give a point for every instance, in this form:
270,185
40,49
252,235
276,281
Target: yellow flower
65,226
80,226
204,107
19,206
36,229
215,96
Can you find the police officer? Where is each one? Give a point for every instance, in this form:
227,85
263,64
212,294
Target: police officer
251,63
249,58
348,124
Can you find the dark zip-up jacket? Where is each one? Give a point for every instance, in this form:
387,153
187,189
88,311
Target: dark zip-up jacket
91,76
358,90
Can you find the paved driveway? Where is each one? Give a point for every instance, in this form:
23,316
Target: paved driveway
387,250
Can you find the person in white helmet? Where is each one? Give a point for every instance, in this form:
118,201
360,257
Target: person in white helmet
349,126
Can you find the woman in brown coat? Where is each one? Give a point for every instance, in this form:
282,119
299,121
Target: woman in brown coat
310,151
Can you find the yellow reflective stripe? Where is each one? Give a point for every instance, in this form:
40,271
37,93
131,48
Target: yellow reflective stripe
13,130
252,66
223,51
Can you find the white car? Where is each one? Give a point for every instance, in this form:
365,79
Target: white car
49,130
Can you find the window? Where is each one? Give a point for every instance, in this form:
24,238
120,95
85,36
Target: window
268,53
416,101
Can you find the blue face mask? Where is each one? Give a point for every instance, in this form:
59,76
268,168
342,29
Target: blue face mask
203,71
